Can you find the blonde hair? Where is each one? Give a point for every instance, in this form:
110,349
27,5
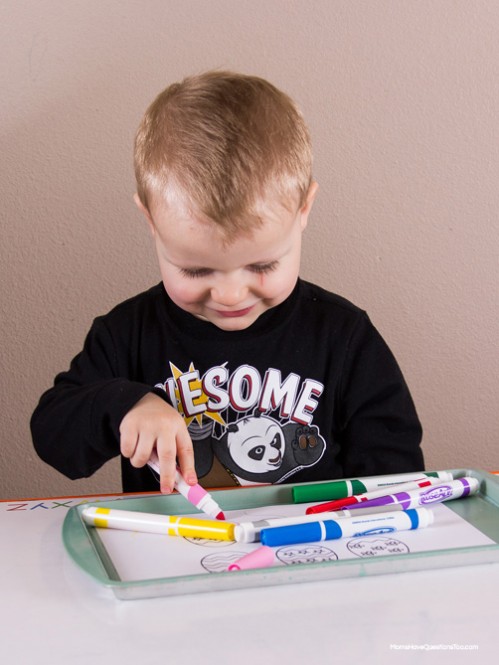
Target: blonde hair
223,141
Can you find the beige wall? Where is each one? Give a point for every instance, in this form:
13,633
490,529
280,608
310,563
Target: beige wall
402,98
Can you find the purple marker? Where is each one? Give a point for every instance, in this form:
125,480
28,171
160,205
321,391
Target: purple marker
455,489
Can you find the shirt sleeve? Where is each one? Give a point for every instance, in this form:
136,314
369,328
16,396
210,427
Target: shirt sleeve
380,430
75,427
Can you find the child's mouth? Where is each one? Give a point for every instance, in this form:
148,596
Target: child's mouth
235,313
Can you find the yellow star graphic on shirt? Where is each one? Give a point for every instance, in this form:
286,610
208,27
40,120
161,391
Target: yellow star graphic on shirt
202,398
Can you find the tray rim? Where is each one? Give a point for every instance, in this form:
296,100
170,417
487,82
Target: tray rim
84,547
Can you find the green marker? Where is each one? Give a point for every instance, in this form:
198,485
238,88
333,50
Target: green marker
340,489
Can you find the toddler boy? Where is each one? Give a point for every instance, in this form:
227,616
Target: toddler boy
233,367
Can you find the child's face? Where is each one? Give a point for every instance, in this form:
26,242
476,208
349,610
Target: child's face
229,284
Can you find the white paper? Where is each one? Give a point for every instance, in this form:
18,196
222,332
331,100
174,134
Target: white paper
141,556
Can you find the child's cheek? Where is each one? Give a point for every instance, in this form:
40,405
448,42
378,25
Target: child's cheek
189,292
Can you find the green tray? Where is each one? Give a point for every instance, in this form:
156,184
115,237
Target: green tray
87,550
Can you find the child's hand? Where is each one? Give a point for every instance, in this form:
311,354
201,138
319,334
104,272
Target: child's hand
154,424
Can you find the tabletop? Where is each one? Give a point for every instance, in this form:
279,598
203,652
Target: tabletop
52,612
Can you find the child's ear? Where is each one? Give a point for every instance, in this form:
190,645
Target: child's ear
309,202
145,212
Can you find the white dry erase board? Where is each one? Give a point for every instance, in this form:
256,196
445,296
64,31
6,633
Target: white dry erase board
141,565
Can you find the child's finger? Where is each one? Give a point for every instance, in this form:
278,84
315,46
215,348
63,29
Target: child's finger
128,441
167,466
143,449
185,457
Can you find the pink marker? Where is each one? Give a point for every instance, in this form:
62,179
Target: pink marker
195,494
260,558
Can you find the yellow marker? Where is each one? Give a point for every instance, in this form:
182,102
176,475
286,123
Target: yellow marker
128,520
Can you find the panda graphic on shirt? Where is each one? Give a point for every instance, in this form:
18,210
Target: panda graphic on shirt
259,428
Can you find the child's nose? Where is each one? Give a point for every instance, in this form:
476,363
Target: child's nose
229,292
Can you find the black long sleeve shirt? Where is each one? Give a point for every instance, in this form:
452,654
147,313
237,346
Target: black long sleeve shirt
309,392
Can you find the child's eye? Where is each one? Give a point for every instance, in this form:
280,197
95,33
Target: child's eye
264,267
195,272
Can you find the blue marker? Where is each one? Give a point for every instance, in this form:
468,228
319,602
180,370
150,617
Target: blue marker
368,525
